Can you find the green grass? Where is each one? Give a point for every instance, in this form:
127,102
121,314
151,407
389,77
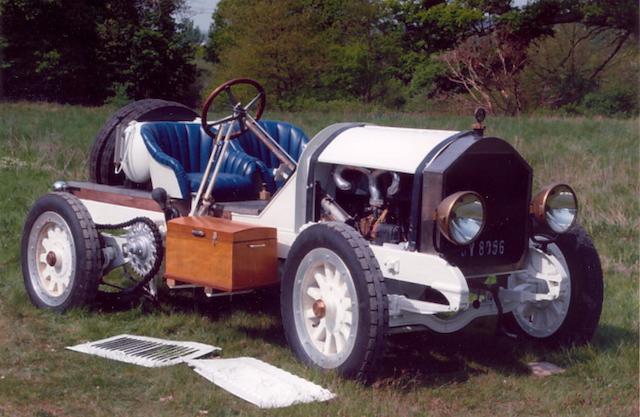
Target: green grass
472,373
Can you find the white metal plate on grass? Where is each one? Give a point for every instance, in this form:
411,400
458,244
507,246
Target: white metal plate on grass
145,351
544,369
259,383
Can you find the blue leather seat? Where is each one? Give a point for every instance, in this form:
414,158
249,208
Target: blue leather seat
185,148
291,138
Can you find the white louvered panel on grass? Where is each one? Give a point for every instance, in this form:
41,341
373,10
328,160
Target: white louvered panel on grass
145,351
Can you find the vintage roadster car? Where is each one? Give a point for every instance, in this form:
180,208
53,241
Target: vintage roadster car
367,229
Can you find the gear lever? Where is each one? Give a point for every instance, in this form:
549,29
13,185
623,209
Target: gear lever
159,195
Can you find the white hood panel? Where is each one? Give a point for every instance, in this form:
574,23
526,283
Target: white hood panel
381,147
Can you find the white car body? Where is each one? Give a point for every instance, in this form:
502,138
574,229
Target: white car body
354,145
368,230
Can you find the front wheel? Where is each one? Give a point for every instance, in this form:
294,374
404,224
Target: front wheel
61,253
570,267
334,302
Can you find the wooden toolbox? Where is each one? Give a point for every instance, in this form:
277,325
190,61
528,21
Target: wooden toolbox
221,254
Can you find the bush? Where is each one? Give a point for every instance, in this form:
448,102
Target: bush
618,102
120,98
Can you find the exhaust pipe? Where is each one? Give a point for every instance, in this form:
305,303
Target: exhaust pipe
329,205
375,196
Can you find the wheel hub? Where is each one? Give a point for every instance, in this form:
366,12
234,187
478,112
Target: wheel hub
319,309
51,258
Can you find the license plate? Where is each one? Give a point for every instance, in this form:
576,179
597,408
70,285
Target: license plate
480,248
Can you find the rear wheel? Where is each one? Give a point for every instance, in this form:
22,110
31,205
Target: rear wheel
571,267
61,254
334,302
101,165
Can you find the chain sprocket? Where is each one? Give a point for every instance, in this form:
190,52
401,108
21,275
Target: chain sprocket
144,250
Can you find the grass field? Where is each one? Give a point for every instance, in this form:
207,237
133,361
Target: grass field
472,373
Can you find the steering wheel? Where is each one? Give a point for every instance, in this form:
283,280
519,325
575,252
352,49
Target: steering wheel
239,110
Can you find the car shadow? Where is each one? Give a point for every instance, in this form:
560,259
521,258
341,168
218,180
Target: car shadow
412,359
430,359
259,301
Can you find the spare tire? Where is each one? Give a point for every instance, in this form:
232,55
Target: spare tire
101,166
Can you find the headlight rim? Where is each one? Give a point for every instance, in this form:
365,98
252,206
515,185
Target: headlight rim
538,207
445,209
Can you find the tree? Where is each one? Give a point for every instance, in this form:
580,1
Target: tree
427,28
219,35
271,41
307,48
486,41
191,32
567,67
363,50
161,57
431,26
115,29
488,68
49,49
76,51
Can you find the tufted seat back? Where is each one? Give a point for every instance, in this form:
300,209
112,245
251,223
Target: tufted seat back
185,142
185,148
291,138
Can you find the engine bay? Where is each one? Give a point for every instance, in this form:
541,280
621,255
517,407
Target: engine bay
375,202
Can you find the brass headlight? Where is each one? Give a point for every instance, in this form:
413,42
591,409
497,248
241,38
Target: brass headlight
461,217
556,206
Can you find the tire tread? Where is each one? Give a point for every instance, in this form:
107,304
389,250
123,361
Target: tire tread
379,322
587,291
